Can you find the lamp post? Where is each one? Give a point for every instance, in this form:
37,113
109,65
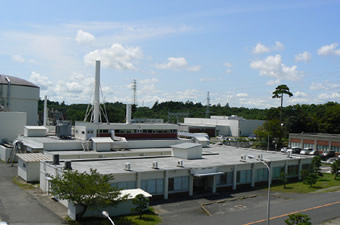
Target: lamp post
269,178
106,214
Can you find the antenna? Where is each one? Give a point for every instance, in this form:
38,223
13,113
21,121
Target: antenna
134,88
207,111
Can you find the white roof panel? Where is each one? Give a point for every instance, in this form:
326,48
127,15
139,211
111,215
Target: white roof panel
186,145
102,140
32,157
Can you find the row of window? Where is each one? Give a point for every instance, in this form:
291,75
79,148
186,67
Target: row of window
318,147
181,184
144,131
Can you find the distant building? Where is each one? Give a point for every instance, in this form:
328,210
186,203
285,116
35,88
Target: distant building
221,125
18,95
318,141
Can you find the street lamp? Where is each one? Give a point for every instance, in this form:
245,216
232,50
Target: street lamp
106,214
269,178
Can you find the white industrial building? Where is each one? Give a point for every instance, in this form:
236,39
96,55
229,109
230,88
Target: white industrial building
221,125
189,173
18,95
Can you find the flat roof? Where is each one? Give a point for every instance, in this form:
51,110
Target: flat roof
222,156
102,140
32,157
186,145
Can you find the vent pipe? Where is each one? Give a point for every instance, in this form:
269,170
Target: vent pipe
56,159
45,111
128,113
96,102
68,165
8,92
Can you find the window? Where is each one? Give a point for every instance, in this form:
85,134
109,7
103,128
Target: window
293,170
335,148
24,165
277,172
243,176
322,147
153,186
261,174
295,145
224,179
178,183
308,145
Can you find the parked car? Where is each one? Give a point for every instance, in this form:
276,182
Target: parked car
296,150
328,154
329,161
314,152
306,151
284,149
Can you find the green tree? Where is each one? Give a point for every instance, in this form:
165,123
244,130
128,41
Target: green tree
316,164
284,178
89,190
279,92
335,167
309,176
298,219
271,131
141,203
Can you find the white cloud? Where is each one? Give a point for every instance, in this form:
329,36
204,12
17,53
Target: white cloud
84,37
273,67
179,63
148,86
273,82
228,66
19,58
300,94
117,57
207,79
188,94
42,81
278,46
242,95
261,48
303,57
326,85
331,96
329,49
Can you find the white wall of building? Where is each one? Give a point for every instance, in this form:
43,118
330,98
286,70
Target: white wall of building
24,99
12,125
29,171
5,153
247,127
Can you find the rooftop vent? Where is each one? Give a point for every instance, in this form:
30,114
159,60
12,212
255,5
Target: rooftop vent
56,159
289,153
180,163
68,165
155,165
243,158
127,166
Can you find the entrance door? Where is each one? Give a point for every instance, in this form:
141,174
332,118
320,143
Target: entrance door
202,185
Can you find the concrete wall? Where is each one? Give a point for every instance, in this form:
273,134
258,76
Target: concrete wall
155,143
247,127
35,131
12,125
29,171
24,99
55,146
101,147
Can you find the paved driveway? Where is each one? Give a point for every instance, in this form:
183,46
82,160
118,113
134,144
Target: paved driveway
17,207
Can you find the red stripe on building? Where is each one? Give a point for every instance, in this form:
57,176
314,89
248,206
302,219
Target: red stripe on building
322,143
335,143
295,140
306,141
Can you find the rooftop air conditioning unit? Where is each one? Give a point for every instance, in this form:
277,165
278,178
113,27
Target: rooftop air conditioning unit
289,153
155,165
180,163
243,158
260,157
127,166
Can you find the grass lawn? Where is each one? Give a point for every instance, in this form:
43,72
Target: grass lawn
324,182
149,218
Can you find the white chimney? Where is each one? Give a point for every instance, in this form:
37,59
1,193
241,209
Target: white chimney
128,113
96,102
45,111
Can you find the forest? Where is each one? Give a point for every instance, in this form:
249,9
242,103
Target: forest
298,118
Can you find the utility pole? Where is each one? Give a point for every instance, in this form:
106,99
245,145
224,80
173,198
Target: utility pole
207,111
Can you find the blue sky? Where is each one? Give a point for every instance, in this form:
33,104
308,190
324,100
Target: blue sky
239,51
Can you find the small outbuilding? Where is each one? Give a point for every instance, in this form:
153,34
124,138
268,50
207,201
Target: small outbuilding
101,144
29,166
35,131
187,151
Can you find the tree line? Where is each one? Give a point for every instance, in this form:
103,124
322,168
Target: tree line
297,118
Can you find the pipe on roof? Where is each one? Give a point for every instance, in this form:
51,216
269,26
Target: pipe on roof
8,92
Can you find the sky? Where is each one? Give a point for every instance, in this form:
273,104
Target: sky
238,51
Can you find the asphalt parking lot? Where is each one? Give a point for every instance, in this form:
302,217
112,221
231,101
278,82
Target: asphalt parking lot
18,207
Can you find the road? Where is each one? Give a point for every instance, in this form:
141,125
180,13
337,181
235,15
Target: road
320,207
17,207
